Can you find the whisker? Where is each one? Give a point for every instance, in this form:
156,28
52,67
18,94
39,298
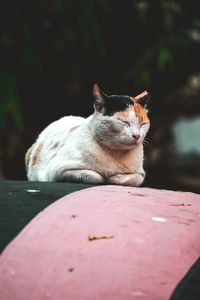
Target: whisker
147,144
147,139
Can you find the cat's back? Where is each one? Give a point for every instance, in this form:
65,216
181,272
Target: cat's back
64,125
54,134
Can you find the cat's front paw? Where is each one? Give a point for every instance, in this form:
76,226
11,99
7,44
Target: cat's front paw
127,179
80,176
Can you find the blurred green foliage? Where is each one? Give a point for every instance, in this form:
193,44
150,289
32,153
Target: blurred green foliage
52,51
123,43
9,101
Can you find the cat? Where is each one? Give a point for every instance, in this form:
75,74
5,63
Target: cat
105,148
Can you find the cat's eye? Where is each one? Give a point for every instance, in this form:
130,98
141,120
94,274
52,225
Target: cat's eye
127,123
142,124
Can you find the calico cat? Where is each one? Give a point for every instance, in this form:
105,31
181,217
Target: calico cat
105,148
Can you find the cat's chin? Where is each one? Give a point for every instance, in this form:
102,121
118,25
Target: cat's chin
127,145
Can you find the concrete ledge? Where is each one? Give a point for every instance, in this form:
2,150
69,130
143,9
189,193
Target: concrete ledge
106,242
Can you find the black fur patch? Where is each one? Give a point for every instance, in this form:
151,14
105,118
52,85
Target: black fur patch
145,100
115,104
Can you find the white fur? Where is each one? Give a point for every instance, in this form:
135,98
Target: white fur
98,149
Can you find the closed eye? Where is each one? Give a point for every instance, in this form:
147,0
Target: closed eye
127,123
142,124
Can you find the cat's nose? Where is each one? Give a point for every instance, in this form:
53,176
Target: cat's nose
136,136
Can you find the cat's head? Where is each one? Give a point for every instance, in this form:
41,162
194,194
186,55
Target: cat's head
121,122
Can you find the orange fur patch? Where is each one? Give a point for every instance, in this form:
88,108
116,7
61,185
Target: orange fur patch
27,156
141,113
96,90
124,168
118,158
141,95
36,155
73,128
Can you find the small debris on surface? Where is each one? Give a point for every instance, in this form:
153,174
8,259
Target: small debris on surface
181,204
74,216
136,194
94,238
71,270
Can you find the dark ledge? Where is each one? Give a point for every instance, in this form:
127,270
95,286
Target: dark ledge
18,204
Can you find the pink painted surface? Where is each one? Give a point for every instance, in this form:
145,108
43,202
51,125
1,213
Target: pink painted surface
106,242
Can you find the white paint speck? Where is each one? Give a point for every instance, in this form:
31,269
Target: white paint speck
12,272
159,219
137,294
33,191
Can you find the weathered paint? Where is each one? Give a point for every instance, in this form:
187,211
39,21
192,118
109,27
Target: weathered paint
101,243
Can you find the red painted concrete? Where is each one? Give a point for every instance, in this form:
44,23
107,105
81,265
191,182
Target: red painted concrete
107,242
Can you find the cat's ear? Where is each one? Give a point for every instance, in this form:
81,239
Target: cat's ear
99,98
143,99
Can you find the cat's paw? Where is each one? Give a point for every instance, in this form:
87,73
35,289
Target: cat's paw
81,176
127,179
88,176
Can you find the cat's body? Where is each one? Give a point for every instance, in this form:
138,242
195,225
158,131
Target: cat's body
106,147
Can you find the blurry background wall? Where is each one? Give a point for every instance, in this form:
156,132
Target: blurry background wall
53,51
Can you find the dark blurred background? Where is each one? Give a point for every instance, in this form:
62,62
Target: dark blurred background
53,51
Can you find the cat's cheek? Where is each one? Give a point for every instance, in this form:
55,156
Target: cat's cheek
145,129
143,132
117,129
127,133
